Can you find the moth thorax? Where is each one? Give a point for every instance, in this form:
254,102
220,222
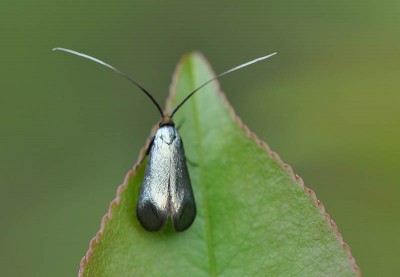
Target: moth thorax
167,133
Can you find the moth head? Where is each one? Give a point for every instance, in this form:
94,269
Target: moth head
166,120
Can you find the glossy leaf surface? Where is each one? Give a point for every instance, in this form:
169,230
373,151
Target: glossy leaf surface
255,217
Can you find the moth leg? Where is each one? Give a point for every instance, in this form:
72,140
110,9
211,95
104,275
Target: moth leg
192,163
180,124
149,147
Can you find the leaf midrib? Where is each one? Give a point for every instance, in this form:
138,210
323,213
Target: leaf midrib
207,221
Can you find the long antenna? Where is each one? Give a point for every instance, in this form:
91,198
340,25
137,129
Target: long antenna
116,70
220,75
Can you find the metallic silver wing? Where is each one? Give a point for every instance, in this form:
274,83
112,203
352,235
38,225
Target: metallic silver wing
166,190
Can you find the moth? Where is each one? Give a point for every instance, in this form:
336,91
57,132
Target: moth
166,191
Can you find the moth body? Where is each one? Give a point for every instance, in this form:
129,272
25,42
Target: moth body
166,191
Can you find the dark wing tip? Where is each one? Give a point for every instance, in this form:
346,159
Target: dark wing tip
151,218
186,217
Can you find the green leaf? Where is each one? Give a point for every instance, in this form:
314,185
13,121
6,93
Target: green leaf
255,217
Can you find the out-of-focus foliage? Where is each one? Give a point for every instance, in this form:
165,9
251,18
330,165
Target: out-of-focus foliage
70,130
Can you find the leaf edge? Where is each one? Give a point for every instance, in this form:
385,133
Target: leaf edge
116,201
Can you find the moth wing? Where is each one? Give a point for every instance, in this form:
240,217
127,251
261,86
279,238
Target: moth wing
182,203
153,204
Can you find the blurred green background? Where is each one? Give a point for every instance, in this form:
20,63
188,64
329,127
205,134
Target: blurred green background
328,103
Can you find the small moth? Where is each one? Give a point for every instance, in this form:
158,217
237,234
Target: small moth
166,191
